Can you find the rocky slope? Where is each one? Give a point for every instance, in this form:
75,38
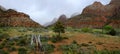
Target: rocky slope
97,15
13,18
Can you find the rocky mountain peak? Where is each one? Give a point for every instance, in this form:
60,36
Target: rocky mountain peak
14,18
96,3
62,18
115,2
97,15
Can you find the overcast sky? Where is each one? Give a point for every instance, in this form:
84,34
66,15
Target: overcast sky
43,11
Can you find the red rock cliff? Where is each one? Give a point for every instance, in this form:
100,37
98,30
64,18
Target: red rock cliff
97,15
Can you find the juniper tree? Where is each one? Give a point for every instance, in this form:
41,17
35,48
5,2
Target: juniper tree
59,28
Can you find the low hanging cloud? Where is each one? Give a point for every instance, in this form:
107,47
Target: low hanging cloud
43,11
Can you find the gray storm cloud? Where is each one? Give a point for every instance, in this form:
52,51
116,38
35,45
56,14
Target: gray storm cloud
43,11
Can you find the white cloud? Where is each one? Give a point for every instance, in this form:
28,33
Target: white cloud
43,11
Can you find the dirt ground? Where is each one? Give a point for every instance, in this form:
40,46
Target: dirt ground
108,42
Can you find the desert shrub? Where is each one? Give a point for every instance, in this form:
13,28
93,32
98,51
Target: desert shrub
5,29
97,32
48,48
75,48
3,52
21,43
107,27
7,46
99,43
3,43
10,43
22,50
112,32
107,52
84,44
44,39
55,39
86,30
30,29
22,30
74,42
4,35
1,46
72,48
12,48
0,30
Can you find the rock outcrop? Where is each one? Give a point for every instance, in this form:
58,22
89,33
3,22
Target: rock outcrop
13,18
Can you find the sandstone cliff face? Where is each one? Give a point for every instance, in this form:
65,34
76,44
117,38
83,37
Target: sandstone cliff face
13,18
97,15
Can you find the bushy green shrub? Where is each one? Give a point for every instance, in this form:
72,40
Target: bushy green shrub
3,52
22,30
84,44
22,41
12,48
107,52
74,42
1,46
72,49
4,35
112,32
10,43
107,27
99,43
55,39
48,48
22,50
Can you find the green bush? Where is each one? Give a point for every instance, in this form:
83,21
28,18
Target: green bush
48,48
3,52
107,52
84,44
22,41
86,30
22,51
107,27
10,43
12,48
72,49
74,42
55,39
112,32
4,35
99,43
1,46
